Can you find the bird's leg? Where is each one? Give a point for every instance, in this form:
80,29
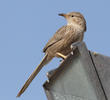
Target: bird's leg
73,46
75,43
61,55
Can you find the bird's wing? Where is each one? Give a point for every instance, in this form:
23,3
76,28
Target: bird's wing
57,37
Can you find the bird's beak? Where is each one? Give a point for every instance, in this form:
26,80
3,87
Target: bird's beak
62,14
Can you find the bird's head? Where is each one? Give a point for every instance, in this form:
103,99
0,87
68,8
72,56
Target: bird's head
76,19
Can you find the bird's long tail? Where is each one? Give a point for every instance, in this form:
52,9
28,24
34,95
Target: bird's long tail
44,61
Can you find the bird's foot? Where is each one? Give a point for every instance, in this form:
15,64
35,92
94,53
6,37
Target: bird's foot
73,46
50,73
75,43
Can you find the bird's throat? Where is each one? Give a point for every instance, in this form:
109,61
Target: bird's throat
75,26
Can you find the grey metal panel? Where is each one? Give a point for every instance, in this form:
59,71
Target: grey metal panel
75,78
102,64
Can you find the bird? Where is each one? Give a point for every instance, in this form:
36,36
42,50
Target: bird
60,44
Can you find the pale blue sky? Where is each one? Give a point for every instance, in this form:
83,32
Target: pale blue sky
26,26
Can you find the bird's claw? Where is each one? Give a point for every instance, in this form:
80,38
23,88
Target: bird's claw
73,46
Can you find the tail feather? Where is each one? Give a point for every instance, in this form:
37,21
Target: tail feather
44,61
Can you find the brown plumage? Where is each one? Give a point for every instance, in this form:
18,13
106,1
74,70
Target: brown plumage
61,42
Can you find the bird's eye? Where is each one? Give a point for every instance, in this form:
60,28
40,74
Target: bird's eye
72,16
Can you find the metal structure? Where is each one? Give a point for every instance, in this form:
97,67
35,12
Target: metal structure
82,76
